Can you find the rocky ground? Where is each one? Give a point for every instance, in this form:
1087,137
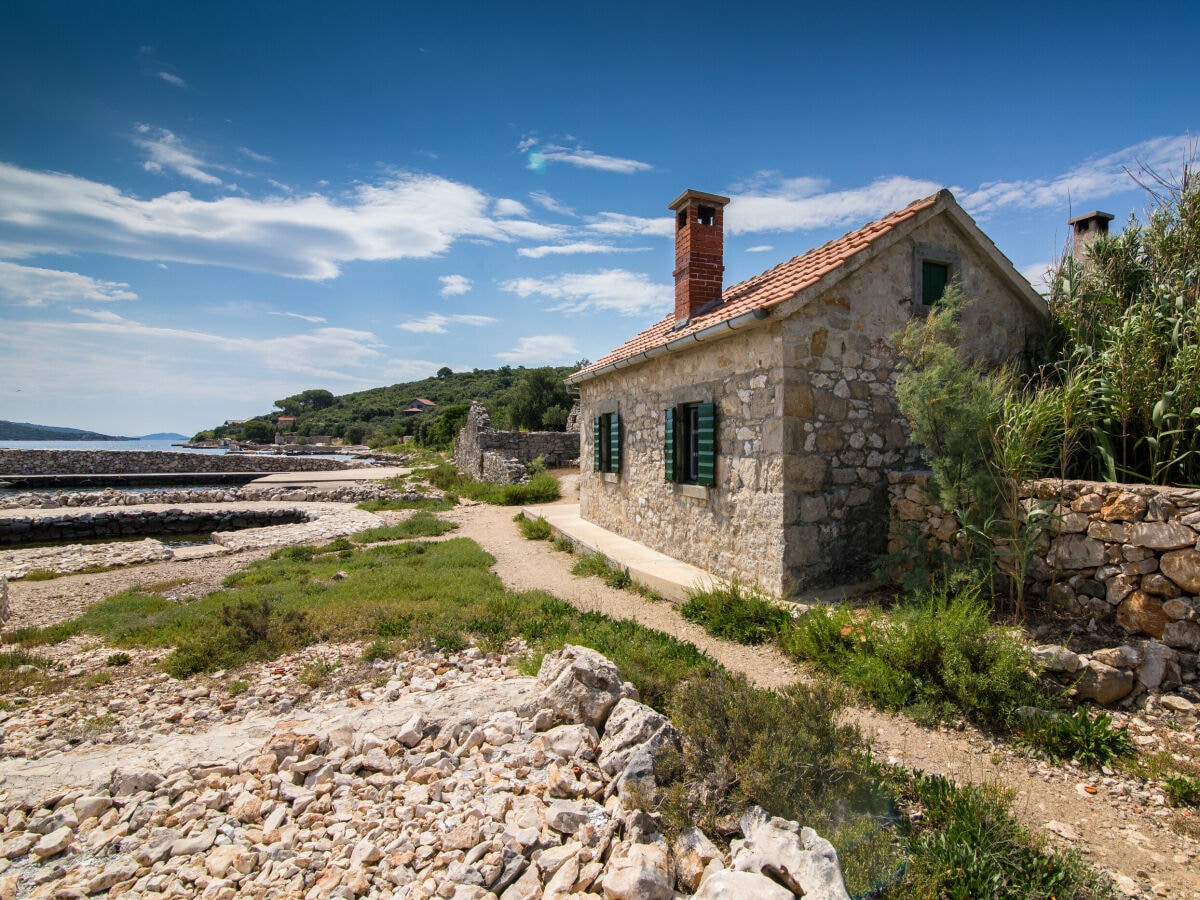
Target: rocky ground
207,740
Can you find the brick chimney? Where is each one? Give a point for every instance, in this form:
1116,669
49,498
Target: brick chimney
699,252
1087,228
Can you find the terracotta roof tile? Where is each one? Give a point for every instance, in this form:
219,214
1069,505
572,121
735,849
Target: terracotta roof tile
767,288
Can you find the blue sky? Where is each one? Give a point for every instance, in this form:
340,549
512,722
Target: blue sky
205,207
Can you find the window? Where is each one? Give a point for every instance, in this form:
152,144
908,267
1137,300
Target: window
690,444
934,278
606,442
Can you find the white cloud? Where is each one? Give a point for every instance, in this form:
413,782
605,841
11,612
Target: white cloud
309,236
618,290
576,247
1036,274
506,207
795,204
257,157
166,151
1093,179
454,285
760,248
30,286
541,348
170,78
540,157
318,320
435,323
548,203
410,369
621,224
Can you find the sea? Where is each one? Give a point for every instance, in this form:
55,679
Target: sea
100,445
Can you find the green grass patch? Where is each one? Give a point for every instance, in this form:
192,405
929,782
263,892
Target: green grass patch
534,529
936,656
420,524
1086,739
736,612
540,488
1182,790
563,544
11,660
597,564
41,575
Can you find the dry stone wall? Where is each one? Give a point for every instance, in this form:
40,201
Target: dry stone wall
137,462
76,526
501,456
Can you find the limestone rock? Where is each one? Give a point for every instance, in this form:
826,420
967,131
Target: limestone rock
1076,551
53,843
1160,667
693,852
796,857
1183,635
230,857
633,727
1183,568
1103,684
580,685
1141,613
730,885
1162,536
1181,609
1124,507
1056,658
640,872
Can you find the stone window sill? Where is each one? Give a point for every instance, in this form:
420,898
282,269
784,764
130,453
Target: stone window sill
696,491
610,477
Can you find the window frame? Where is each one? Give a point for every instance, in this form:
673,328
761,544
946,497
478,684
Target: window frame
606,443
690,444
938,255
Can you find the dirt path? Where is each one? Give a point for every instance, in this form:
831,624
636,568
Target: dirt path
1124,835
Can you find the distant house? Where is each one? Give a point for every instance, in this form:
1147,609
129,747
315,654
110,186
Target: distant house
750,431
419,405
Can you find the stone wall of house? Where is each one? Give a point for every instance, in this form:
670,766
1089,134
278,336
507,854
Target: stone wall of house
137,462
501,456
1109,552
843,428
733,528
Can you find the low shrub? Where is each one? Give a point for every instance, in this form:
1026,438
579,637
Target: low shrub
563,544
1088,740
420,524
119,659
540,488
377,649
737,612
534,529
936,656
297,553
241,631
1182,790
40,575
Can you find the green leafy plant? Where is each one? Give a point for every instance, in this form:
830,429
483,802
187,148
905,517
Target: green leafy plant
237,686
534,529
119,659
1182,790
1089,740
737,612
378,649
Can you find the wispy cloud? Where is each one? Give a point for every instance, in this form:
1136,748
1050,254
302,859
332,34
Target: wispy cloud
573,248
798,204
1095,178
305,236
318,320
454,285
760,248
29,286
435,323
410,369
539,157
616,290
171,78
550,204
1037,274
167,152
621,224
507,207
257,157
541,348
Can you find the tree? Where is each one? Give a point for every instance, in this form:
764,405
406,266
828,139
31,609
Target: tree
534,393
444,372
258,431
306,401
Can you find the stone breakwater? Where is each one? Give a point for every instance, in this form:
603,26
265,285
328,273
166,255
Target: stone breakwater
108,523
448,777
351,493
137,462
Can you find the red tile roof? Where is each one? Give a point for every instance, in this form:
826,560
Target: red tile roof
768,288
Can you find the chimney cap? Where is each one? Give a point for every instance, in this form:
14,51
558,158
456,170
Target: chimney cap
689,195
1094,214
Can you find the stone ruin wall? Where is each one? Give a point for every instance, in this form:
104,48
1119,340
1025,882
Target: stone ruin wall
1113,553
500,457
139,462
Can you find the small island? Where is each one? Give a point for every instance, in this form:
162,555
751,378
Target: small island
26,431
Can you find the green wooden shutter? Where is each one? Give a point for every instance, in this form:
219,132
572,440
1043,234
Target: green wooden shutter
596,444
614,442
669,443
706,443
933,282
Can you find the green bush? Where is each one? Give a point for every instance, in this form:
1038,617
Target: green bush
1088,740
540,488
736,612
119,659
935,656
241,631
534,529
1182,790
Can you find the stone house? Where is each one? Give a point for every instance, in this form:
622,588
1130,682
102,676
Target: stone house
750,431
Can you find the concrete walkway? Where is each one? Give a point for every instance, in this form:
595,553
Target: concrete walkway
668,576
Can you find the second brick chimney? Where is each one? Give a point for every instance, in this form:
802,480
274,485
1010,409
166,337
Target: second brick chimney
699,251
